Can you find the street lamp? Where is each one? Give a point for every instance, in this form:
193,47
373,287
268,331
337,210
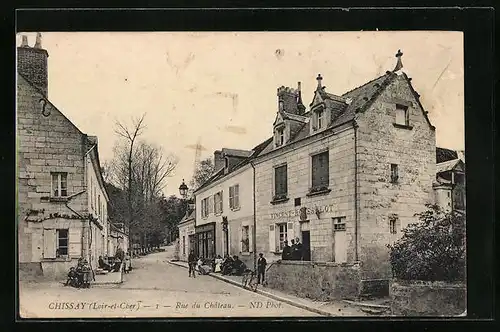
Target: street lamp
183,189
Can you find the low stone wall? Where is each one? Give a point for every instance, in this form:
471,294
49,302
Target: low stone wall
30,271
374,288
57,270
315,280
426,298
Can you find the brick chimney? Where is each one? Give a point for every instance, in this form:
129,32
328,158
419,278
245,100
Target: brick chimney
287,100
32,63
219,161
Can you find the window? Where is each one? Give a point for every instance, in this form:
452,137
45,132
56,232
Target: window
99,205
59,184
321,119
338,224
218,203
297,202
320,170
234,197
183,245
62,243
393,224
280,182
282,235
91,192
204,207
402,115
280,136
245,239
394,173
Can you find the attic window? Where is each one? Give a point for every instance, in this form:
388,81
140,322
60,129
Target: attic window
321,119
280,136
402,115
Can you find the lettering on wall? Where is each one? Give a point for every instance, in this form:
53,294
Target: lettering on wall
296,212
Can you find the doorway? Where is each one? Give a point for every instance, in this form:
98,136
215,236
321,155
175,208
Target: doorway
306,243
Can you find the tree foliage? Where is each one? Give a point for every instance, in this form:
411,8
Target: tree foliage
432,249
204,170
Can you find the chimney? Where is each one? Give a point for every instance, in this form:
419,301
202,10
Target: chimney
32,63
300,106
287,99
219,161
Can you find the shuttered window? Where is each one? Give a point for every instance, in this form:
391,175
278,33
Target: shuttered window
49,243
59,184
234,196
280,181
218,203
320,170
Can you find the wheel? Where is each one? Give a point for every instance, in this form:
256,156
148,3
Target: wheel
253,283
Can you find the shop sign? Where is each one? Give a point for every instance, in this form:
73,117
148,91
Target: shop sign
308,210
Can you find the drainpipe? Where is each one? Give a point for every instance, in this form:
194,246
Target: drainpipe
355,126
254,233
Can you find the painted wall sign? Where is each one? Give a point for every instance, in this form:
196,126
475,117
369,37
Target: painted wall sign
296,212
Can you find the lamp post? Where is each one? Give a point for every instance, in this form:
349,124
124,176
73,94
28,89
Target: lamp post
183,190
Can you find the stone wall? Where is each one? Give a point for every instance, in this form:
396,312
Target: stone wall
317,281
58,270
419,298
381,144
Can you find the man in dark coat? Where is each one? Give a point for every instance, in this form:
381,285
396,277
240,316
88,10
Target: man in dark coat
298,250
285,255
192,263
261,268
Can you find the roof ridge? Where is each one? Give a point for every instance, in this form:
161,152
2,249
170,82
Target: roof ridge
363,85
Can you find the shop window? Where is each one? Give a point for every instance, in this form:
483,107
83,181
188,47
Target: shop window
59,184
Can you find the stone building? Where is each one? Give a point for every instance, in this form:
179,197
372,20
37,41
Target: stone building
449,187
62,201
187,239
224,207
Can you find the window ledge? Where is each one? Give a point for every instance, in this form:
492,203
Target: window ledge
218,214
58,199
318,192
280,200
58,259
400,126
236,209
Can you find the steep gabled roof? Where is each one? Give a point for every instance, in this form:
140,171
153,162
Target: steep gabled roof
443,155
448,165
236,153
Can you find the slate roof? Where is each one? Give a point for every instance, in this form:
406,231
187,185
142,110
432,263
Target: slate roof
236,153
294,117
443,155
447,165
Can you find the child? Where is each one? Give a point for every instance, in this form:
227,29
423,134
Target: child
126,267
72,278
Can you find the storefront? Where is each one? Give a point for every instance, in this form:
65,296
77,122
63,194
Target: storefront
205,235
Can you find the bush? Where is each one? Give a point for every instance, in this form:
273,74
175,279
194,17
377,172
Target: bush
432,249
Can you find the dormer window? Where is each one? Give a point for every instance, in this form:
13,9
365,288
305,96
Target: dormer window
321,118
280,136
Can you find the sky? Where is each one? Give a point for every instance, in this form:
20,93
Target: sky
219,88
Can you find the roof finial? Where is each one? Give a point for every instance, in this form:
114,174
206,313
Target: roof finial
24,42
319,79
38,42
399,64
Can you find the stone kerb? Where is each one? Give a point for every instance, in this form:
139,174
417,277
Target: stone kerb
427,298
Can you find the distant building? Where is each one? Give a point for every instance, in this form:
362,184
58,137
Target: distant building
187,238
62,200
449,187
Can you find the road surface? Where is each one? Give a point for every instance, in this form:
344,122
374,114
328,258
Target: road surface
154,288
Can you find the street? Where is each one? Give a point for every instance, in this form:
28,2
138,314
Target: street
154,288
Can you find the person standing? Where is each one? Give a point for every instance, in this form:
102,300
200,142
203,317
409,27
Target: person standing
285,255
299,250
261,268
192,263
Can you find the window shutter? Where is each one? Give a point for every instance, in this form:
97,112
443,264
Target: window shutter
236,196
75,242
240,238
314,171
250,238
49,243
272,239
231,197
289,232
221,201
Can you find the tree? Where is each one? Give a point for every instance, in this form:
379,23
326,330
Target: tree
432,249
203,172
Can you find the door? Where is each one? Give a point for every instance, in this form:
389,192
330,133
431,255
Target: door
340,244
306,245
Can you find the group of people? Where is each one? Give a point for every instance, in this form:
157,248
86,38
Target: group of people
226,266
114,264
295,252
79,276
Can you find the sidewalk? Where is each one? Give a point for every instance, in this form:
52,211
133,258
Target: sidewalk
336,309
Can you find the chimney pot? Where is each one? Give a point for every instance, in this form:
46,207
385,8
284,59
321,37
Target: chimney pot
38,42
24,42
